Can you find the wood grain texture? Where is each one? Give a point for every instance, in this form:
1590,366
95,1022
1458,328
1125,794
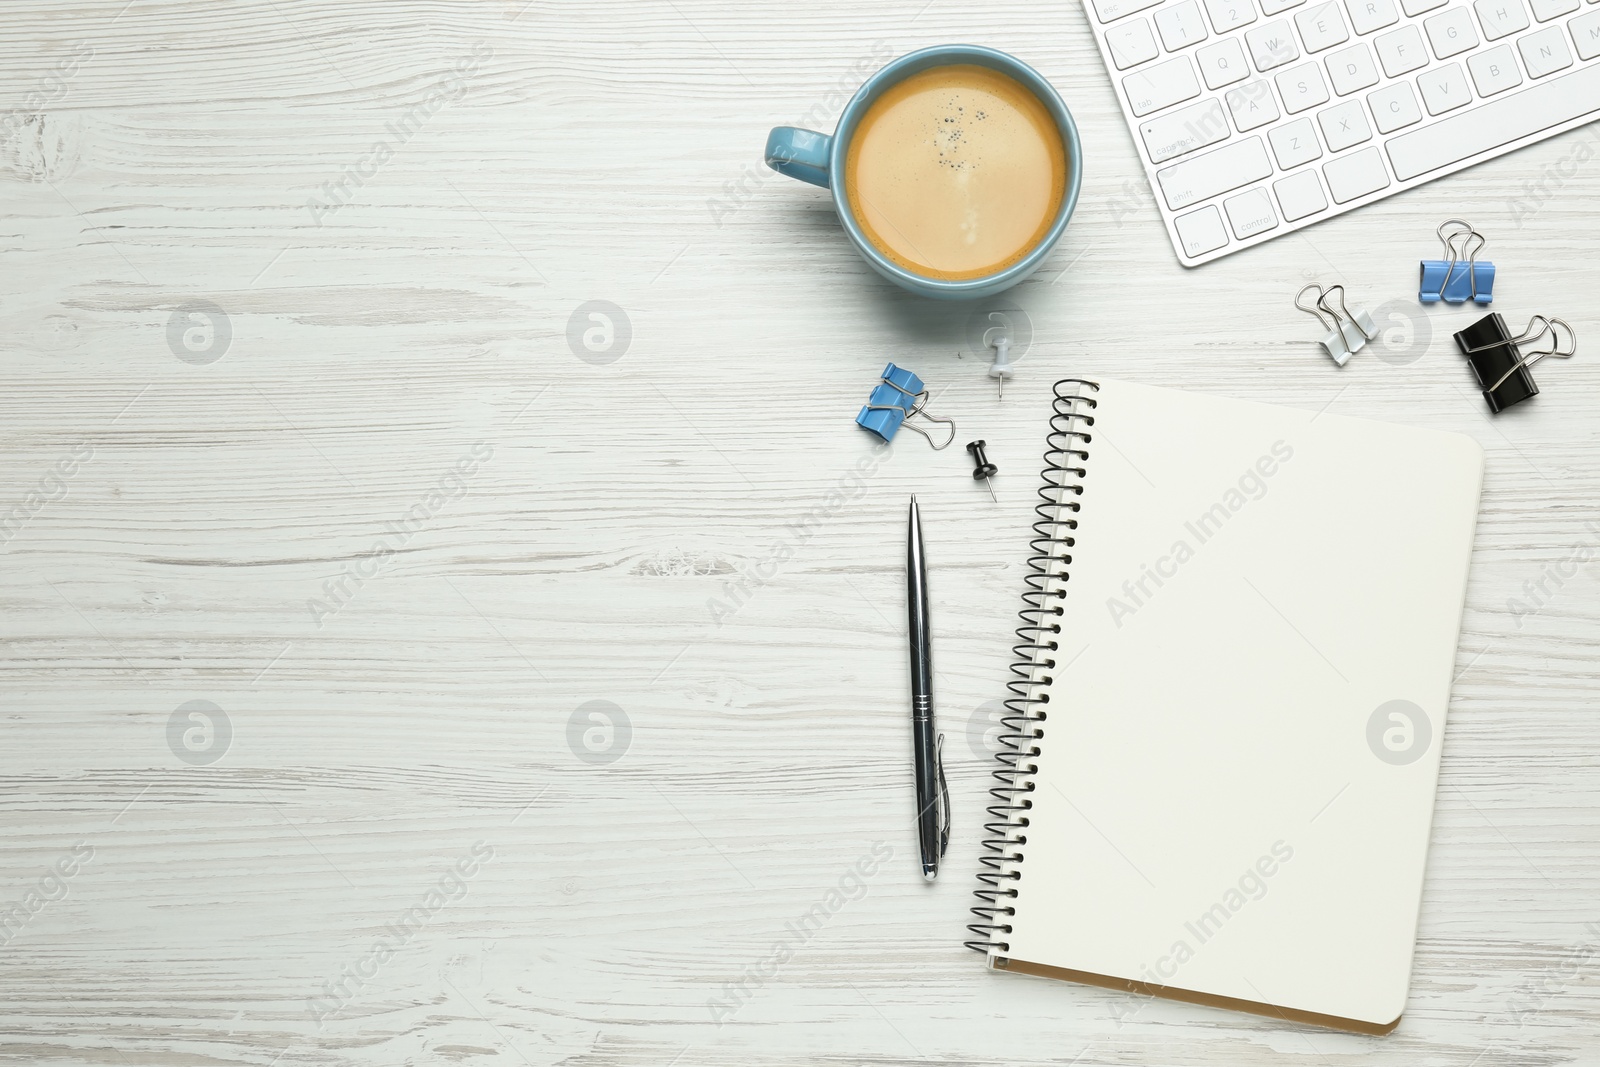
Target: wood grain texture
400,645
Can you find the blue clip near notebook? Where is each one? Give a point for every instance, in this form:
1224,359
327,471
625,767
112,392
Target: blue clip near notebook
898,396
1462,278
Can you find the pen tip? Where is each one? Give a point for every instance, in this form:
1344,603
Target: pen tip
929,872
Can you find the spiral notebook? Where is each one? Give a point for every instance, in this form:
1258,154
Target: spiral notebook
1238,639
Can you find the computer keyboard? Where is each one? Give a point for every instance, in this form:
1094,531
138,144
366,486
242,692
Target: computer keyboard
1256,118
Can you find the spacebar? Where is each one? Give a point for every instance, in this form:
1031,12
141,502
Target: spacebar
1499,122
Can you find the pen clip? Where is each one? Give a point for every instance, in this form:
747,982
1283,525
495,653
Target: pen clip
944,798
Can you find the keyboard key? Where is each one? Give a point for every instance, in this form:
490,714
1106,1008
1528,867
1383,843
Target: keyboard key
1230,14
1300,195
1250,213
1444,88
1355,175
1586,34
1252,105
1201,231
1394,107
1131,43
1494,70
1111,10
1271,45
1161,85
1369,15
1352,68
1184,130
1221,170
1545,10
1413,8
1294,143
1545,52
1451,33
1302,87
1181,25
1496,123
1344,125
1275,7
1223,63
1401,51
1501,17
1322,27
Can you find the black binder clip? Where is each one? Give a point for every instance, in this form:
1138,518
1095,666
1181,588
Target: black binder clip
1500,364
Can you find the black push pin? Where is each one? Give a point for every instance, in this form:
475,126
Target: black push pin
983,468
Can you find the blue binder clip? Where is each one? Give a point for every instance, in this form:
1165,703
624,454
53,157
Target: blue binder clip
897,397
1451,281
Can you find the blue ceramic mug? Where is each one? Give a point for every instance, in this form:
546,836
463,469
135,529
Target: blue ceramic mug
820,159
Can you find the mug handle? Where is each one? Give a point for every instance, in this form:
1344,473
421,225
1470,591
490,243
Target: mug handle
799,153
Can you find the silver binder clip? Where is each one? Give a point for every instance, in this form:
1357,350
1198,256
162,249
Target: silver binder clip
1348,333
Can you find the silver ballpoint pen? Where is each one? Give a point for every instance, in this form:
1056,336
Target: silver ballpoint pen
933,794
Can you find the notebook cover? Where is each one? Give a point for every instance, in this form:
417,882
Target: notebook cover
1235,784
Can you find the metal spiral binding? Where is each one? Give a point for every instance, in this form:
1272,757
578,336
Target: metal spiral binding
1019,743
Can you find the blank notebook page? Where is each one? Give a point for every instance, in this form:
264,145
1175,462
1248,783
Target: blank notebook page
1250,591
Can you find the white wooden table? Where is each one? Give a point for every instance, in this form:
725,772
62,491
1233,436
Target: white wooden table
301,424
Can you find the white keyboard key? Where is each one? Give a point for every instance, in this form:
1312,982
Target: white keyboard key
1294,143
1401,51
1501,17
1230,14
1184,130
1272,45
1494,70
1221,170
1351,69
1369,15
1413,8
1223,63
1497,122
1277,7
1545,10
1252,105
1300,195
1250,213
1344,125
1181,25
1394,107
1201,231
1322,27
1451,33
1302,87
1162,85
1355,175
1111,10
1586,34
1545,52
1131,43
1444,88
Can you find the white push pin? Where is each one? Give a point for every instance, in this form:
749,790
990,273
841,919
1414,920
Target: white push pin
1000,369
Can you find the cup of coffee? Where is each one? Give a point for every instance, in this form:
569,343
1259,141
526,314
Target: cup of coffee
953,169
